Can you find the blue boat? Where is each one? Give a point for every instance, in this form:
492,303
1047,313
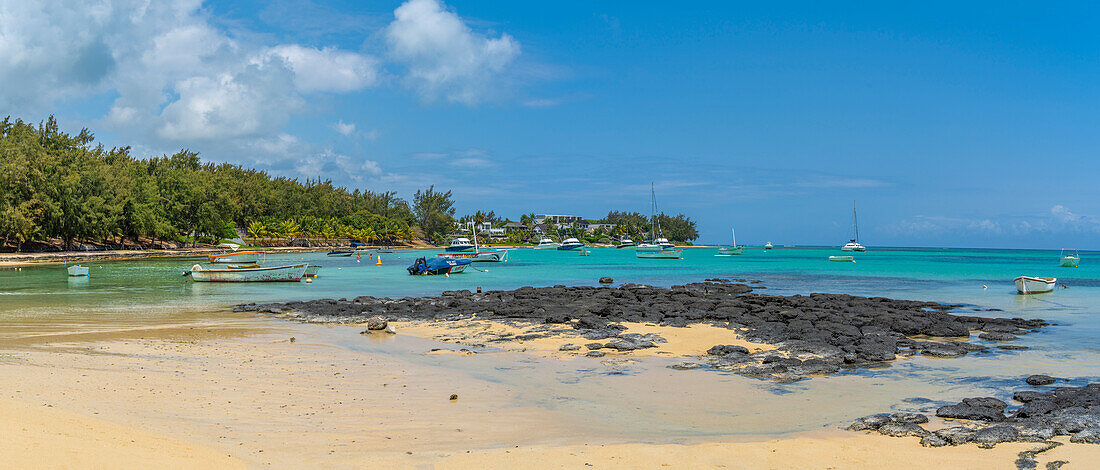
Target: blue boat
437,265
570,244
341,253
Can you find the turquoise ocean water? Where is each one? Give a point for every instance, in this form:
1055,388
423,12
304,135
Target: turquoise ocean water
152,291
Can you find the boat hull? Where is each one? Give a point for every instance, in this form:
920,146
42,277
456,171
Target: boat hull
497,256
844,259
78,271
570,247
243,257
1070,262
1034,285
288,273
727,251
312,271
438,265
662,254
460,249
552,246
340,254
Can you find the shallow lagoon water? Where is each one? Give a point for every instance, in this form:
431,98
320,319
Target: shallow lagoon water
152,291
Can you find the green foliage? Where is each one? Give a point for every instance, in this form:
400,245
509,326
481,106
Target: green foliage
59,186
434,213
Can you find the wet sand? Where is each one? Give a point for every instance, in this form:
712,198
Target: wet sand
225,389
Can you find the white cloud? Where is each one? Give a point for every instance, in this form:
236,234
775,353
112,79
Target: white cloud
344,128
328,69
443,56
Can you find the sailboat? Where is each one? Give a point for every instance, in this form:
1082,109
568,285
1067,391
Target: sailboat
731,250
657,247
854,245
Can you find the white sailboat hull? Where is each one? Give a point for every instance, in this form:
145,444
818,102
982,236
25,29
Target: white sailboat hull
497,256
1035,285
727,250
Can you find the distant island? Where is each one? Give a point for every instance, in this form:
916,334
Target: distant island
60,191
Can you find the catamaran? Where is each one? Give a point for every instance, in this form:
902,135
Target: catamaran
657,247
854,245
546,244
731,250
1070,260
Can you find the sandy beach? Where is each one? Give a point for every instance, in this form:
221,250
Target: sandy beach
229,390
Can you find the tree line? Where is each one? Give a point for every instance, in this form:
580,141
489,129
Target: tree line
57,187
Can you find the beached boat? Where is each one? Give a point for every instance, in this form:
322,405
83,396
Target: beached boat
625,243
660,254
768,246
288,273
461,244
435,266
312,271
238,257
77,270
853,244
731,250
546,244
570,244
1070,260
495,256
341,253
1035,285
846,259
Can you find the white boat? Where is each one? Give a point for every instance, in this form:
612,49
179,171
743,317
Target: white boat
625,243
461,244
1071,260
731,250
495,256
853,244
1035,285
546,244
77,270
848,259
661,254
237,257
288,273
768,246
570,244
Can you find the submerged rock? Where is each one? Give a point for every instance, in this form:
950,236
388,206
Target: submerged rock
1039,380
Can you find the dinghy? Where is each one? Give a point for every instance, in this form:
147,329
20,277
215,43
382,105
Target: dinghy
1035,285
77,270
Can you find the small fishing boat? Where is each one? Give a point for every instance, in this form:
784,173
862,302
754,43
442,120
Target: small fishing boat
1070,260
731,250
288,273
461,244
625,243
570,244
1035,285
660,254
847,259
437,265
312,271
238,257
77,270
243,266
768,246
495,256
341,253
546,244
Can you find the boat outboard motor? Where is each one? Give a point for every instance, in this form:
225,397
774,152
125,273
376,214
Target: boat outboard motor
418,266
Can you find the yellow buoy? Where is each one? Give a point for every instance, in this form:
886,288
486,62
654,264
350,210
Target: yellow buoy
379,263
984,286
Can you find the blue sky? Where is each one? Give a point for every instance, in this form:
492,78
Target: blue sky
949,125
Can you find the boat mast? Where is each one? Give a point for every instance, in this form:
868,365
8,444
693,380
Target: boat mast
652,213
855,222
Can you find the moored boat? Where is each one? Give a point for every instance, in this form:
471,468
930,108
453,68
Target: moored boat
546,244
853,244
238,257
288,273
495,256
461,244
731,250
848,259
768,246
437,265
1071,260
77,270
660,254
625,243
570,244
1034,284
243,266
312,271
341,253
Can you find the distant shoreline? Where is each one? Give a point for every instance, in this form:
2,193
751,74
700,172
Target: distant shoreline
30,259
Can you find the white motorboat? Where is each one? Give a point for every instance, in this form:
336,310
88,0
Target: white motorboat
288,273
495,256
625,243
461,244
77,270
1035,285
731,250
768,246
237,257
547,244
848,259
570,244
1070,260
853,244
